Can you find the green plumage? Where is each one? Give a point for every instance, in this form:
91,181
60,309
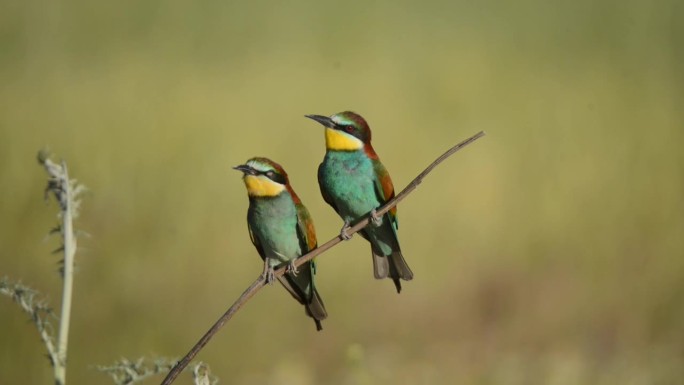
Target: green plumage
278,230
282,230
350,183
354,182
273,222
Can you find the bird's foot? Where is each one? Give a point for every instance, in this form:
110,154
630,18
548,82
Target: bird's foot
375,219
268,274
343,232
291,268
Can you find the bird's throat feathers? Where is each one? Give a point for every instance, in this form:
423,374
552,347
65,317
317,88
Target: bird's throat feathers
261,186
336,140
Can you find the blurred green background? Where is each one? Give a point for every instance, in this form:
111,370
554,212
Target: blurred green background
549,252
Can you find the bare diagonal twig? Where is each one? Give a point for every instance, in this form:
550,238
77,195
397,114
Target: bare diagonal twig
259,282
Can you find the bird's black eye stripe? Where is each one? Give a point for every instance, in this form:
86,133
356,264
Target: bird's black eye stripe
348,128
274,176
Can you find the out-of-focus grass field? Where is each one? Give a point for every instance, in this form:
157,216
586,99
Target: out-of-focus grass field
549,252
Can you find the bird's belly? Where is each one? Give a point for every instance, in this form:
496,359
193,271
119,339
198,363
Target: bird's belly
280,245
277,234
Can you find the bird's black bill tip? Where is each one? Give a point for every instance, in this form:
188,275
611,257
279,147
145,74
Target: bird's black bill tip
324,120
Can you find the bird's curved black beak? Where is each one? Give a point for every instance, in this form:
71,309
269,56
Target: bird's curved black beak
245,169
324,120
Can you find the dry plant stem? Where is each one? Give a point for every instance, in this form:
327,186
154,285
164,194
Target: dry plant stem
65,192
69,252
259,283
129,372
24,297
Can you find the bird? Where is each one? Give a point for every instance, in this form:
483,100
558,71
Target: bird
355,183
282,230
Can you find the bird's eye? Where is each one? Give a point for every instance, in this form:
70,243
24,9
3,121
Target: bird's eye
270,174
349,128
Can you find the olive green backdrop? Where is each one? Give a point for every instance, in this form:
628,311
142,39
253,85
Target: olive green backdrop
549,252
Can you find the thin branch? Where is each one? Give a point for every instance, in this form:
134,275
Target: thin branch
259,283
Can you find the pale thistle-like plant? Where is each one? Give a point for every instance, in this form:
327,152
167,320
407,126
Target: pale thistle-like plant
127,372
66,192
32,303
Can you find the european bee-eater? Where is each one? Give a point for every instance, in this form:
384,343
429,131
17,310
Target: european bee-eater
282,230
354,182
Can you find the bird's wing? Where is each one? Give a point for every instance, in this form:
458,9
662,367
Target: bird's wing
305,229
306,232
256,242
300,286
327,198
384,189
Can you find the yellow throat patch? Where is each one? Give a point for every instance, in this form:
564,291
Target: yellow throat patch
261,186
341,141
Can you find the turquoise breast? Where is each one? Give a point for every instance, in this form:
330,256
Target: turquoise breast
349,179
274,224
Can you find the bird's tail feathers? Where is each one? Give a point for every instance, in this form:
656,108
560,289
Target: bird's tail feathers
316,309
393,266
381,268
